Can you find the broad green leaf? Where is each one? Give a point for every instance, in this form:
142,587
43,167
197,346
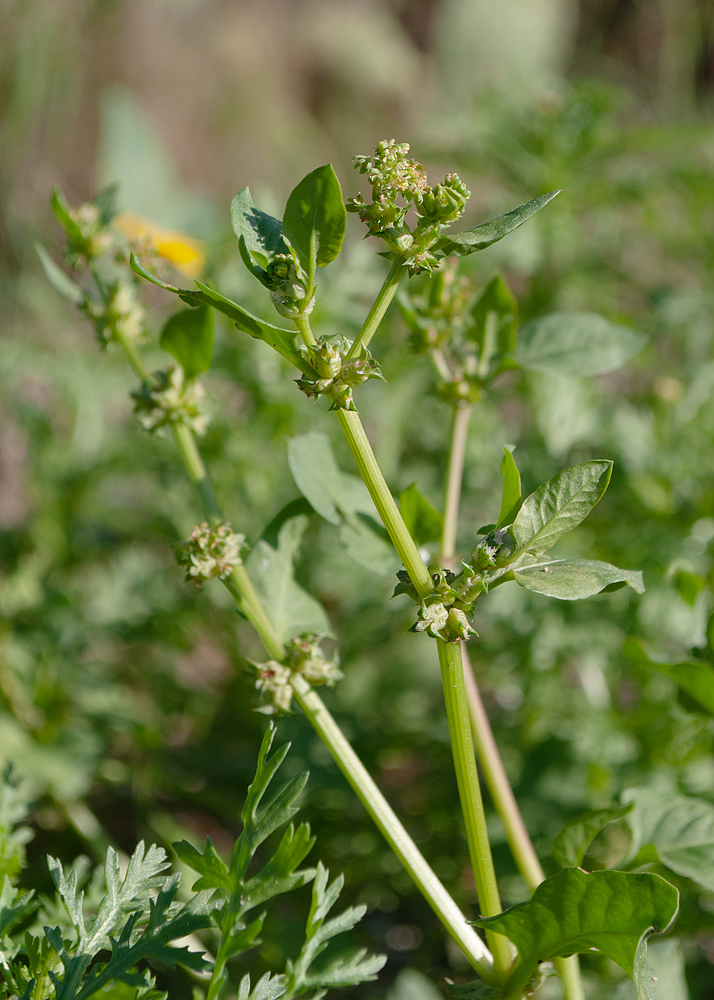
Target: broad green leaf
291,609
494,326
696,677
188,337
315,218
58,279
559,505
260,233
321,481
276,337
572,843
575,579
576,343
575,911
480,237
689,586
424,522
511,501
366,541
681,830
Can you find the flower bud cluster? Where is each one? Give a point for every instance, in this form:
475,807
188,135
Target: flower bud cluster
120,316
303,656
398,184
337,375
447,611
210,553
173,400
90,238
288,286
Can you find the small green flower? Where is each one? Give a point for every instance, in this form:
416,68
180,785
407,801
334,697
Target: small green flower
210,553
273,682
172,401
304,656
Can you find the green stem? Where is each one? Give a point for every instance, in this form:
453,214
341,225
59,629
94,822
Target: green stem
384,501
457,714
381,303
452,495
196,471
392,830
303,325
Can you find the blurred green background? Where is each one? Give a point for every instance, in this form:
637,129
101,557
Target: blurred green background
123,697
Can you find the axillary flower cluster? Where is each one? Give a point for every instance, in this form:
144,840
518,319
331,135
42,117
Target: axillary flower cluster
447,611
210,553
393,176
303,657
338,373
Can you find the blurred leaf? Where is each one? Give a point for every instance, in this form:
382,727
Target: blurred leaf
315,219
689,586
511,501
290,609
574,911
61,282
559,505
494,329
63,214
260,234
366,541
680,828
411,984
480,237
188,337
574,579
696,677
572,843
576,343
424,522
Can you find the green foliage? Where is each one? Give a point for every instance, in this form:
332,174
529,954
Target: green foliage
315,219
511,501
424,522
484,235
188,337
573,911
574,579
576,344
572,843
696,677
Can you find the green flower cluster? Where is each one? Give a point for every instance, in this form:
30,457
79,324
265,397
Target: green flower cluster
338,374
173,400
303,656
120,314
210,553
398,185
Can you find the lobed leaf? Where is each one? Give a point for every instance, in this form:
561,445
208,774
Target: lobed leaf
268,987
480,237
188,337
575,579
575,911
572,843
212,869
576,343
559,505
291,609
511,500
424,522
695,677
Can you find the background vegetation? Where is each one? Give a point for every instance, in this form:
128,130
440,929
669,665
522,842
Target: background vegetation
122,695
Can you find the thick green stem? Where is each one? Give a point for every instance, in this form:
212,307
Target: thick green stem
394,833
457,714
384,501
454,476
303,325
381,303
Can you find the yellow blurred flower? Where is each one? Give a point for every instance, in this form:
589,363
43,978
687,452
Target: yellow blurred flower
184,253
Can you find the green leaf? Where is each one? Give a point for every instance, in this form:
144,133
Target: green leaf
511,501
689,586
344,970
188,337
495,323
696,677
425,523
268,987
58,279
291,609
315,218
679,827
366,541
14,908
259,233
282,341
575,579
279,875
212,869
572,843
480,237
576,343
559,505
574,911
63,214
